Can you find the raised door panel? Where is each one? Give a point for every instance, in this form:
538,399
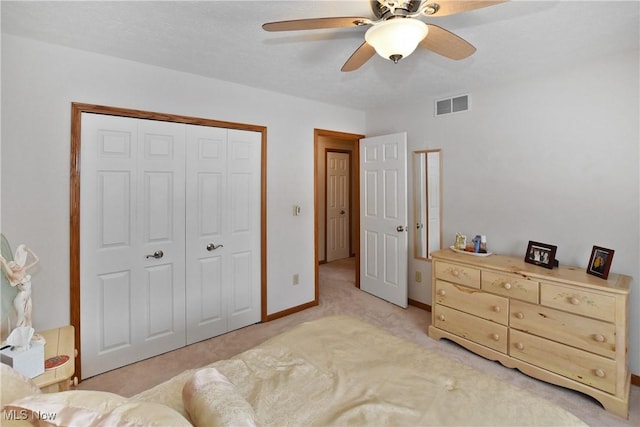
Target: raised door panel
115,325
371,244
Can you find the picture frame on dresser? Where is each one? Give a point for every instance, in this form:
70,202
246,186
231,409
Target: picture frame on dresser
541,254
600,262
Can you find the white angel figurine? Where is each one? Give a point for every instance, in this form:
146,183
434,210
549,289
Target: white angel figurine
16,273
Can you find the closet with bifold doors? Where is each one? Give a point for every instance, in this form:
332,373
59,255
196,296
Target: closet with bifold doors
170,236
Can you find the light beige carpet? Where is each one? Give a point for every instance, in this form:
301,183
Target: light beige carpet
339,296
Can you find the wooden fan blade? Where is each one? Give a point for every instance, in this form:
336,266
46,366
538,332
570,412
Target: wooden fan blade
451,7
316,23
359,57
446,43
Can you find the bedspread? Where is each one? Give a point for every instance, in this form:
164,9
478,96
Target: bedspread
342,371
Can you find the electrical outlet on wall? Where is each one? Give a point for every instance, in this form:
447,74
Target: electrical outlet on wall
296,279
418,276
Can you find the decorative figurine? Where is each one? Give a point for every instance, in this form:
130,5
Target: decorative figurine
16,272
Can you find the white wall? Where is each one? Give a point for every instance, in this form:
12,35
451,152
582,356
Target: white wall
39,83
553,159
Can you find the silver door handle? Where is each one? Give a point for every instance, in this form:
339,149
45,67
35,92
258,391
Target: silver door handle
400,228
156,255
212,247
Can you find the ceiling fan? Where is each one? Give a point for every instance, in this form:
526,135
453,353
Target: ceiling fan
396,31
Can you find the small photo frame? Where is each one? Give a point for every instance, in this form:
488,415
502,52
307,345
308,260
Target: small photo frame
540,254
600,261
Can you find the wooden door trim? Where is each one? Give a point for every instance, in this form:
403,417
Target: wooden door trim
74,199
355,139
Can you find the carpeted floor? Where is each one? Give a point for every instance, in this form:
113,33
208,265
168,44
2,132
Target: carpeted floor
339,296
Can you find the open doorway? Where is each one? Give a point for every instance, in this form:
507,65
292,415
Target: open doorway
337,145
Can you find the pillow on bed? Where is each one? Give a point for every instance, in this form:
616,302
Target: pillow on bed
15,385
211,399
92,408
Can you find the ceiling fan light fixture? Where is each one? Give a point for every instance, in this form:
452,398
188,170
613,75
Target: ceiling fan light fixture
396,38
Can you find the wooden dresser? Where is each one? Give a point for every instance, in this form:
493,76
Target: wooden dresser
562,326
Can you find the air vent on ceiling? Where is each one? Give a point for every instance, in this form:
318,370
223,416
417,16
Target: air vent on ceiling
456,104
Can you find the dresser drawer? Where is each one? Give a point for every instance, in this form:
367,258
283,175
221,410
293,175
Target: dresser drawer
587,368
455,273
588,334
473,301
510,285
484,332
578,301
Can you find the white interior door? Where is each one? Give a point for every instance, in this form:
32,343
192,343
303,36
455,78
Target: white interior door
383,222
132,247
206,191
242,236
223,230
338,206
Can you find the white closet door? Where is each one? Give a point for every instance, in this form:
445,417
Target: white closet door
223,230
132,207
206,200
244,150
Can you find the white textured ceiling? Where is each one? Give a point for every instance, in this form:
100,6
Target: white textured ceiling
224,40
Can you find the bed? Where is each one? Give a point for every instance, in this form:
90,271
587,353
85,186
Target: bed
336,370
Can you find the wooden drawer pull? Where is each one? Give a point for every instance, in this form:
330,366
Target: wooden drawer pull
519,315
495,337
520,346
507,286
455,273
574,300
600,373
442,292
497,308
599,338
441,317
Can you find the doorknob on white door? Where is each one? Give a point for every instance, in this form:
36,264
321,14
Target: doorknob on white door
212,247
156,255
400,228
